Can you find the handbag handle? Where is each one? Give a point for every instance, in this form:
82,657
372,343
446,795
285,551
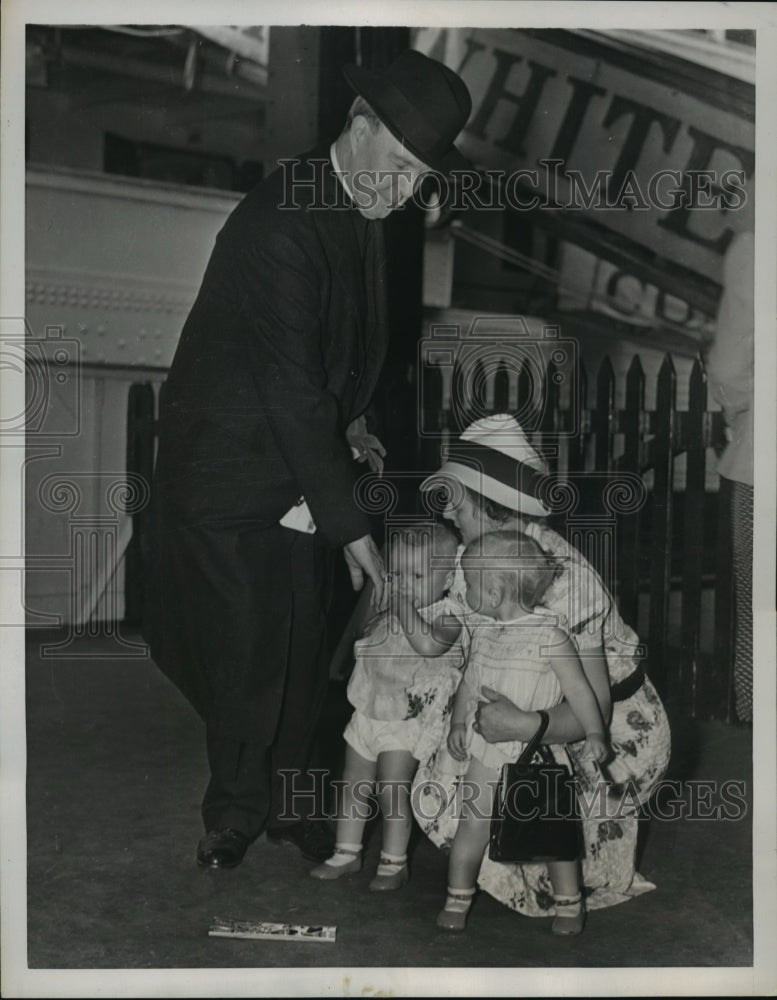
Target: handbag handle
531,747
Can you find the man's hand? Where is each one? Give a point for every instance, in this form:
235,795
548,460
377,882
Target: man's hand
363,556
367,447
498,719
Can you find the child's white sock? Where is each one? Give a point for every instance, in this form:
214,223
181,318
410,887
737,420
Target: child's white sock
391,864
344,854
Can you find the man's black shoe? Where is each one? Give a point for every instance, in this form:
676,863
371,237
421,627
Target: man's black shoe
313,838
222,848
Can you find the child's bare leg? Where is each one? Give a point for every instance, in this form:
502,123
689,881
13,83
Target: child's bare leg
395,774
564,877
358,777
353,812
570,913
469,844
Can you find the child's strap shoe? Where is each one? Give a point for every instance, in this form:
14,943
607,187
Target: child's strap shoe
344,861
392,873
453,916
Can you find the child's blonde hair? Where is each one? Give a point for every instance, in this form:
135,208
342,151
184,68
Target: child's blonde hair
518,563
438,539
442,539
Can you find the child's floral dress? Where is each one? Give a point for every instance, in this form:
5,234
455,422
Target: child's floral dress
391,682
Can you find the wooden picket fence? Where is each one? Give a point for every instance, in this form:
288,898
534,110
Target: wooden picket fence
667,557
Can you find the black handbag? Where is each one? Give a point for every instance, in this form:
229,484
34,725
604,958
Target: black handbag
535,816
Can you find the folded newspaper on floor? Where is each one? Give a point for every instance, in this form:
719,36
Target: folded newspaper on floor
270,932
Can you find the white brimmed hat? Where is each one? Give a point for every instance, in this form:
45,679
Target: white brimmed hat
494,458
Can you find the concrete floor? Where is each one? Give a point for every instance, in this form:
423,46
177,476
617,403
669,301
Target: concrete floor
116,769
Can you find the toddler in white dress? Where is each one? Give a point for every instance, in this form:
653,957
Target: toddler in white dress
407,668
519,651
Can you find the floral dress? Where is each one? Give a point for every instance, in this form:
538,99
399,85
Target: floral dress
392,683
640,747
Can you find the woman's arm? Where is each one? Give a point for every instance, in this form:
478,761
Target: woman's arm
499,719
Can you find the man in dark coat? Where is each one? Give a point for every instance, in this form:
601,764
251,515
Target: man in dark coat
261,416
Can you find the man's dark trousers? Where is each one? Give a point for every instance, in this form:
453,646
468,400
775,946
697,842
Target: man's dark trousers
246,791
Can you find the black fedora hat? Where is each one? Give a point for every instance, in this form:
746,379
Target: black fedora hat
421,102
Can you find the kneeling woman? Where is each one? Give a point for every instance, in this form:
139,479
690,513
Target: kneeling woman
491,476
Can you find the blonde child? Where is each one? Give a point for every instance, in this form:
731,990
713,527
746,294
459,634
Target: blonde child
407,668
521,653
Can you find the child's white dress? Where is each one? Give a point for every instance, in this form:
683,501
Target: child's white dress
515,659
407,697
